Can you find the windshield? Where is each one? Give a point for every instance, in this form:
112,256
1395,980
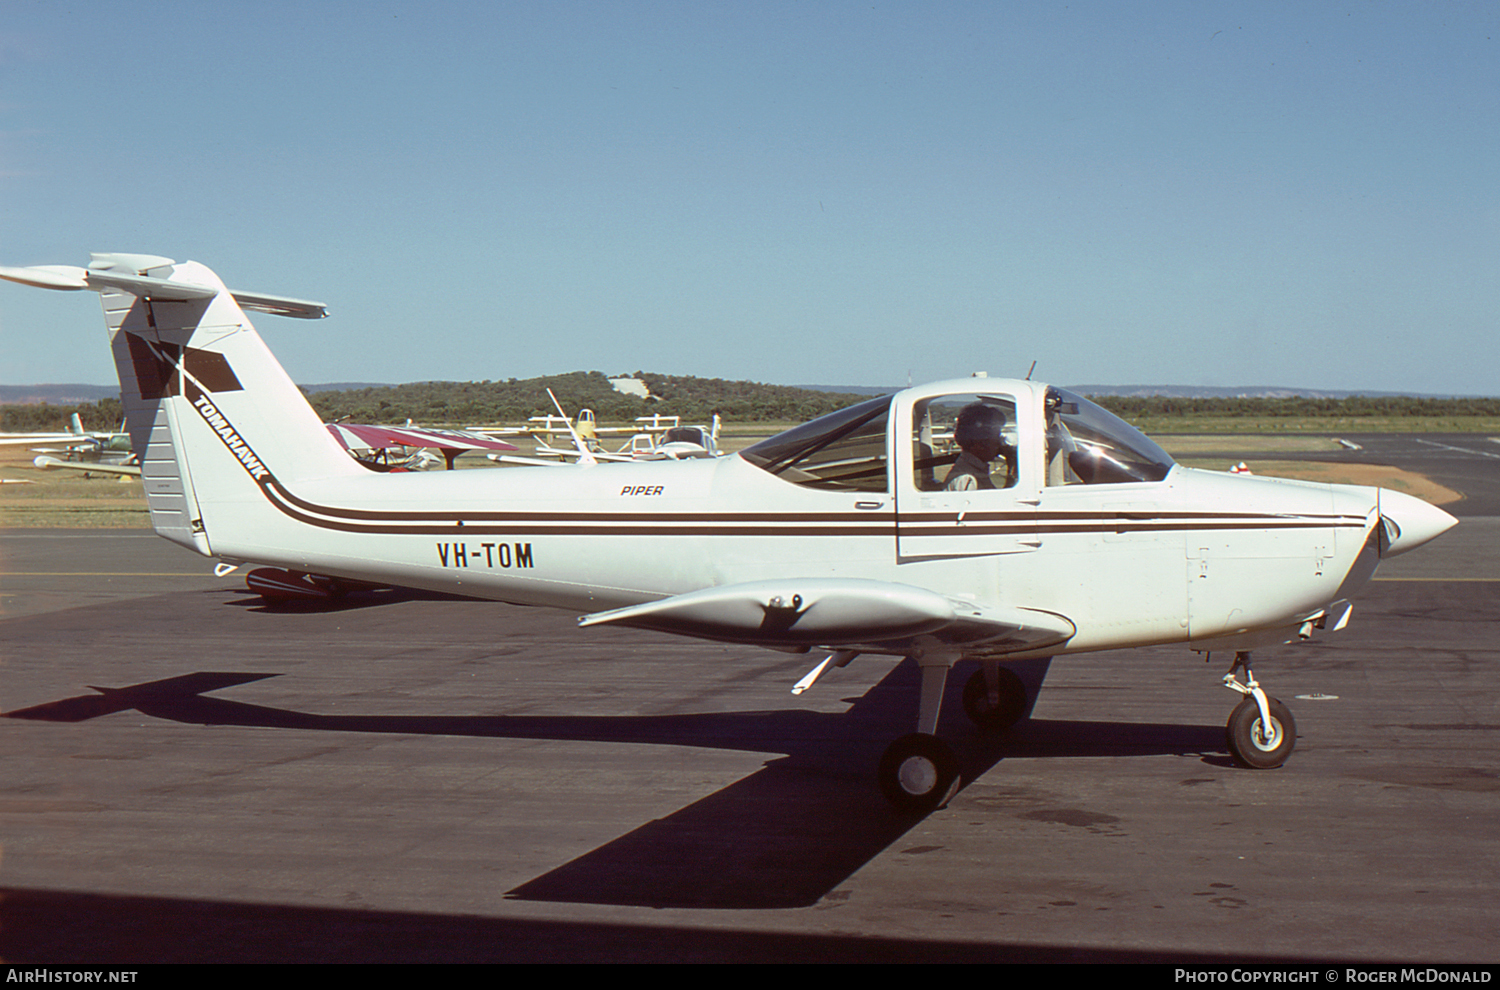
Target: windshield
1087,444
843,451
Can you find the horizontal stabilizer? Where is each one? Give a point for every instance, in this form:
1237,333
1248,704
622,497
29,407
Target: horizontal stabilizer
71,277
149,288
877,616
260,302
47,276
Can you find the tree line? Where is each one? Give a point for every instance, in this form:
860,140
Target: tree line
693,399
696,400
42,417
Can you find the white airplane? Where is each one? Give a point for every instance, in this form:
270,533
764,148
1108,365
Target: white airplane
585,426
669,443
659,437
849,534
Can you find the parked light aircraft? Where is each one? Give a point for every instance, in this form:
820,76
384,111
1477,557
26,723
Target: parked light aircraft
97,452
74,436
659,443
839,535
368,444
659,437
585,426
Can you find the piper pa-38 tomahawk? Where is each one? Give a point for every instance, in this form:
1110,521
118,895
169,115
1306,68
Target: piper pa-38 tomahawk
1053,528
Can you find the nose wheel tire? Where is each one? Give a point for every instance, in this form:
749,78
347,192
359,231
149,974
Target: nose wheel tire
1254,745
987,714
918,772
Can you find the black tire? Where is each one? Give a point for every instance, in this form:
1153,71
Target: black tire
918,772
1250,746
1007,713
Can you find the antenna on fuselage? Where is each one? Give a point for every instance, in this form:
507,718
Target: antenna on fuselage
1030,370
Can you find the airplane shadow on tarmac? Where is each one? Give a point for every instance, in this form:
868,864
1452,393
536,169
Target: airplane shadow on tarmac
785,836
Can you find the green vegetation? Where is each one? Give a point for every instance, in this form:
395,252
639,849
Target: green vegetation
1355,414
1358,406
697,399
693,399
44,418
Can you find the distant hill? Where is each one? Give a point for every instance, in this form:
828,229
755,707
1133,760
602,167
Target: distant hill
854,389
337,387
57,395
1186,391
693,399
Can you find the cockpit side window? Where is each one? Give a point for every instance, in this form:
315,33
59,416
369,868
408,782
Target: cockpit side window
842,451
962,442
1089,445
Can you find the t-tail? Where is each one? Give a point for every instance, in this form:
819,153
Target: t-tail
212,416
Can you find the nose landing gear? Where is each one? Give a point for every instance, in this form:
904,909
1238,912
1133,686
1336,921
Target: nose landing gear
1260,732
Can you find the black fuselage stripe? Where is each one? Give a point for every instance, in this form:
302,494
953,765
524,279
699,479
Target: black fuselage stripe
824,523
436,523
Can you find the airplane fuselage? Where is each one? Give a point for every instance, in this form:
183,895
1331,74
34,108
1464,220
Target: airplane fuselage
1128,564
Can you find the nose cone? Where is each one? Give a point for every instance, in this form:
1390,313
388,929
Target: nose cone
1409,522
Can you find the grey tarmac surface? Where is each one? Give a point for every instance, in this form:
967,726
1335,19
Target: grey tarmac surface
196,777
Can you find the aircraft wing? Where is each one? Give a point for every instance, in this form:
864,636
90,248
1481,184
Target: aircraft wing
357,436
845,613
574,453
27,439
47,463
525,461
563,458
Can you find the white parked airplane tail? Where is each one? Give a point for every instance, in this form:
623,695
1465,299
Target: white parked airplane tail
208,408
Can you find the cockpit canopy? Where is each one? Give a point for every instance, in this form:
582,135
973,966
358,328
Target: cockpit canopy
1100,447
1003,435
844,450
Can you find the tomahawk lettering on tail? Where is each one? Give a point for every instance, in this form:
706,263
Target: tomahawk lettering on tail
983,519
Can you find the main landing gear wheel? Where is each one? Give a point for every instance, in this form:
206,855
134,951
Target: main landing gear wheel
918,772
983,711
1251,744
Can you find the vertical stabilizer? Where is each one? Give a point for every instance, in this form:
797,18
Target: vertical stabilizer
212,416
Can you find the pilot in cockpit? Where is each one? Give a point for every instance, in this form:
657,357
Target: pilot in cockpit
980,434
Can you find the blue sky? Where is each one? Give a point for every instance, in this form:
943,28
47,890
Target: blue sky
1193,193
